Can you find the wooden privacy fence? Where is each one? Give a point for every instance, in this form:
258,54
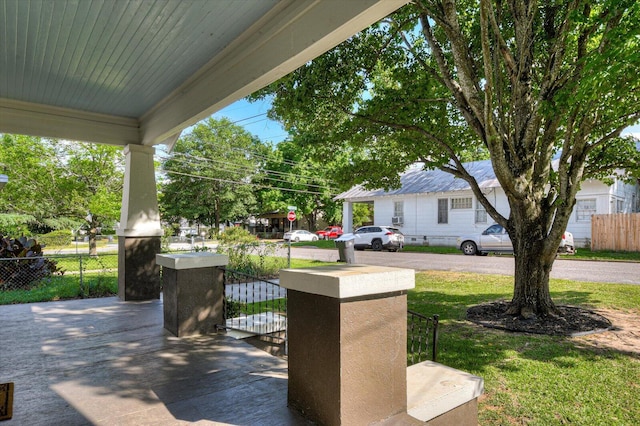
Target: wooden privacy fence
619,232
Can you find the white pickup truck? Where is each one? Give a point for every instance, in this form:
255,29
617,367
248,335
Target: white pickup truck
496,239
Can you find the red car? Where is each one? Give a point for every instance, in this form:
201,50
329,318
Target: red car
329,233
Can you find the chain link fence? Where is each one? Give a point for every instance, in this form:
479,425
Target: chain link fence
80,274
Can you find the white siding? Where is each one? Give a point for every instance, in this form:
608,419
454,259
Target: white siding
383,210
606,199
420,213
421,216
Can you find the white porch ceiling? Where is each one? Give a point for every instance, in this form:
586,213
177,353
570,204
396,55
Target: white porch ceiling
140,71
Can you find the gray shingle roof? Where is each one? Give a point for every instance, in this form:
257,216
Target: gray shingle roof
416,180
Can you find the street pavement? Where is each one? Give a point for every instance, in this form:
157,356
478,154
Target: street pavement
569,269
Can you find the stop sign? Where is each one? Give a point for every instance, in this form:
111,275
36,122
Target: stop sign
291,216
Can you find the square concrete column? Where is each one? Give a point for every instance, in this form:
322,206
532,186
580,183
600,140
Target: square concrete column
347,337
193,292
138,273
140,228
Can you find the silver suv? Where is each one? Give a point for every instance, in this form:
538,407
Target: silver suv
378,238
496,239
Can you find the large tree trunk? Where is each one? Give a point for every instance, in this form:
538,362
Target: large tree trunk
531,295
217,218
534,251
93,244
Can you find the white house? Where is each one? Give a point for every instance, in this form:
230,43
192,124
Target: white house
432,207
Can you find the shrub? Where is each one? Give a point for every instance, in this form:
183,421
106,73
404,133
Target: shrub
22,264
248,254
236,235
56,238
233,308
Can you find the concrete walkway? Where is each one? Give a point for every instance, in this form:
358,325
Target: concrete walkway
107,362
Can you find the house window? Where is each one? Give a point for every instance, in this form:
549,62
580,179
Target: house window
398,208
443,210
461,203
619,206
398,213
481,213
584,209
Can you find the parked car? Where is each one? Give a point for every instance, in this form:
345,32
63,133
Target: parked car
300,235
496,239
329,233
377,238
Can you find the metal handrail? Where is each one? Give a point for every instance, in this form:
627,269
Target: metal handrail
248,299
418,332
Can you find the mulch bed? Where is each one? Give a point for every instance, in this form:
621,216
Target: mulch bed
574,321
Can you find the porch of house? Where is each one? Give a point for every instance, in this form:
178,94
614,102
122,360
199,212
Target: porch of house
108,362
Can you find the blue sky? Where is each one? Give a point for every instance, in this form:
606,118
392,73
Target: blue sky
252,116
633,130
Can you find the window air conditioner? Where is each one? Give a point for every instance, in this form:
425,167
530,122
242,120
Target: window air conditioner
397,220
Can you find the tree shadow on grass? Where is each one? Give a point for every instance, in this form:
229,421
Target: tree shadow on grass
473,347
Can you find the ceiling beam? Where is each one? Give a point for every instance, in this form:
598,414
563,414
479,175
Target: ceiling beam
292,34
54,122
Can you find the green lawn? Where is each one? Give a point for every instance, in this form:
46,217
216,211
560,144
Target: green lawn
534,379
99,279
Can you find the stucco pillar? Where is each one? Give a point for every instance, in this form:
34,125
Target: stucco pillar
140,230
193,292
347,337
347,217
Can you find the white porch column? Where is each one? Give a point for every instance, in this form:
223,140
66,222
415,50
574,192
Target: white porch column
140,229
347,217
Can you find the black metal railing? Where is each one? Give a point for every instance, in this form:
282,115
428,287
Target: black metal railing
422,337
258,306
254,305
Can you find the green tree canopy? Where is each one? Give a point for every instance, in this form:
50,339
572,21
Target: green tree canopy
55,184
444,81
209,174
291,176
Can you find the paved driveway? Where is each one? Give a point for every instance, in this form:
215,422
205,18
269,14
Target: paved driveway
578,270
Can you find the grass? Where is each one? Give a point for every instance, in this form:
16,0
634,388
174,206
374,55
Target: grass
64,287
431,249
307,263
534,379
325,244
587,254
99,279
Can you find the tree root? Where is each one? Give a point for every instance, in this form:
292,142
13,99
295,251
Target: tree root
570,320
528,312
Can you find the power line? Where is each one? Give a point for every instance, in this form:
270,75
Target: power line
246,183
249,118
270,178
229,165
226,166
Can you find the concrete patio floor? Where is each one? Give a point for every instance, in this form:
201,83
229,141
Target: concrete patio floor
107,362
